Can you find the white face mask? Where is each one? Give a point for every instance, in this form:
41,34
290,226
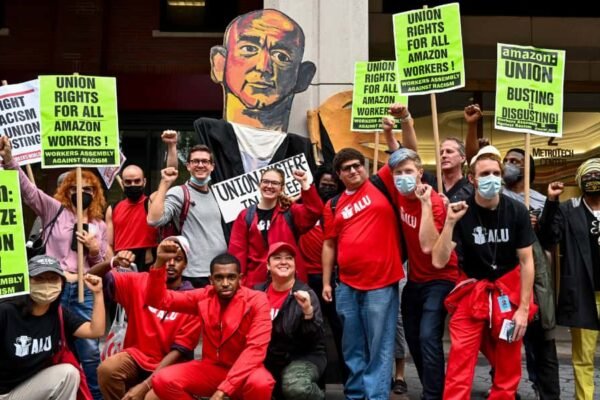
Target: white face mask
45,292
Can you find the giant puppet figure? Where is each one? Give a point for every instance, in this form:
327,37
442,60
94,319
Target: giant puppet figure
260,68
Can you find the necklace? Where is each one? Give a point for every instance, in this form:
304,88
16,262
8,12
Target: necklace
494,252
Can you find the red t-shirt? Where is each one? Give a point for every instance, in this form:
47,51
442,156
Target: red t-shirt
151,333
311,247
368,242
131,231
420,268
276,299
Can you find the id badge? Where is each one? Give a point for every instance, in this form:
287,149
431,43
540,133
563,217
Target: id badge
504,303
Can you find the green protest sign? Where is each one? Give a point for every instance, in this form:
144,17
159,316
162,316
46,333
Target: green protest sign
429,50
529,90
375,89
79,122
14,276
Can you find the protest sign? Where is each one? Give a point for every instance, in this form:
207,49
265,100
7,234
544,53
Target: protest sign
79,121
20,121
375,89
236,194
108,174
529,90
14,275
429,53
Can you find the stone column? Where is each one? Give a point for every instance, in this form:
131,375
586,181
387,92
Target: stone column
337,35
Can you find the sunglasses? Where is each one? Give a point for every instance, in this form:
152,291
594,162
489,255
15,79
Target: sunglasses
348,168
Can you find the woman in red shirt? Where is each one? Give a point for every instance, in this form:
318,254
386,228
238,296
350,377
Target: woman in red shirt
274,219
296,356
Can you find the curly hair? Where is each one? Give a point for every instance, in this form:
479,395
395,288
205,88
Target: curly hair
96,209
284,201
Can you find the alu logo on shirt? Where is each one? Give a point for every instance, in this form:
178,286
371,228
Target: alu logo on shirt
25,345
163,315
482,235
354,208
408,219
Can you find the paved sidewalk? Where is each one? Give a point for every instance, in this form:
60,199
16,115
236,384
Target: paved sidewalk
482,381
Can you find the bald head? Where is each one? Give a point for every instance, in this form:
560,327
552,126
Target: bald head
133,175
260,62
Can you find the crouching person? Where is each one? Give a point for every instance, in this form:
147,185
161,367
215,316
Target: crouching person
236,329
296,356
34,329
154,338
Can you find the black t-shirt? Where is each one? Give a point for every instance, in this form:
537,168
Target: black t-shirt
461,190
27,343
264,222
594,230
485,238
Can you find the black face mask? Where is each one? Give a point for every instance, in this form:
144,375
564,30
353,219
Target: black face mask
133,193
590,186
86,200
327,192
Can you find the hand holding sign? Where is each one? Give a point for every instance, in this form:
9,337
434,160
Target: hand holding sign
5,149
302,178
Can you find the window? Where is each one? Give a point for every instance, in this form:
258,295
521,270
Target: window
196,15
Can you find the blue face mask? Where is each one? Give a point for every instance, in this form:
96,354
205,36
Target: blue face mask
199,182
489,186
405,184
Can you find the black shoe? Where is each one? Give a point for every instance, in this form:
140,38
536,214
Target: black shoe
400,387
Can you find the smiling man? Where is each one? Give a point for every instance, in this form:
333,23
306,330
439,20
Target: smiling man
194,209
260,68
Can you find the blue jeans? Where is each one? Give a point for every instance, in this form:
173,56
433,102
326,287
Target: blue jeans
88,351
369,321
424,316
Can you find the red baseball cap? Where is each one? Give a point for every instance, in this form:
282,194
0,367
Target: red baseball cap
275,247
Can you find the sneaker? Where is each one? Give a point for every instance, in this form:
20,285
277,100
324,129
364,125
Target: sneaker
400,387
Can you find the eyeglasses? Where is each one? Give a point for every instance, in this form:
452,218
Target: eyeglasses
205,162
348,168
267,182
85,189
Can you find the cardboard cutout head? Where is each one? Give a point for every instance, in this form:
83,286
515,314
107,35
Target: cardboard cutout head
260,68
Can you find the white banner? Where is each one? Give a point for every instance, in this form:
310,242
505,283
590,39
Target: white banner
239,193
20,120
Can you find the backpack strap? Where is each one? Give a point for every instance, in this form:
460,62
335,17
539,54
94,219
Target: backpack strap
251,211
378,183
289,218
186,206
332,205
50,225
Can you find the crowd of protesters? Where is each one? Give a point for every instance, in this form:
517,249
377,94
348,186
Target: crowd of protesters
383,259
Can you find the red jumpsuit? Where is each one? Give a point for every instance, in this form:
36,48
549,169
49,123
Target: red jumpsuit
235,342
473,326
